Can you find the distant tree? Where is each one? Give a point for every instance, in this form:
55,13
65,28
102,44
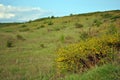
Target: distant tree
52,17
71,14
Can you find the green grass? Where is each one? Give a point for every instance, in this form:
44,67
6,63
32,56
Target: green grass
33,44
105,72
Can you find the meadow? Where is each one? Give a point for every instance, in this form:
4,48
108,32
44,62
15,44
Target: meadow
57,48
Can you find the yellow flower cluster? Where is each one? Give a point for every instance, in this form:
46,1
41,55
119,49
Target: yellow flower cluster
85,54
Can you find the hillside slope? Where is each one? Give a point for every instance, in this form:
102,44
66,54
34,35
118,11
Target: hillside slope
27,50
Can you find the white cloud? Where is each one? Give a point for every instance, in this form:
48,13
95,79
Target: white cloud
6,15
12,14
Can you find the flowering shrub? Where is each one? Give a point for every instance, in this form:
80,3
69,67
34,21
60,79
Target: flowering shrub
86,54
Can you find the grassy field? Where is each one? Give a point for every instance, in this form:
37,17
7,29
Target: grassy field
28,50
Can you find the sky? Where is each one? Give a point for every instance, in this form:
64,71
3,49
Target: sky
25,10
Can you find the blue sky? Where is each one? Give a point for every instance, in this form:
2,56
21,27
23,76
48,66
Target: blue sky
25,10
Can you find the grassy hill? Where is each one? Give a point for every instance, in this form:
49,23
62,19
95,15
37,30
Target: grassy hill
27,50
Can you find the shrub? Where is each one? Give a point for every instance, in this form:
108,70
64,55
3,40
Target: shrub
20,37
52,17
50,23
23,26
78,25
24,29
114,18
42,45
71,14
84,35
41,26
107,15
97,22
56,28
86,54
62,38
9,43
112,29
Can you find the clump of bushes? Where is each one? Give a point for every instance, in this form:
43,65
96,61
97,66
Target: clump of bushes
41,26
111,29
78,25
50,23
58,28
20,37
52,17
86,54
23,25
62,38
42,45
114,18
106,15
9,43
84,35
24,29
97,23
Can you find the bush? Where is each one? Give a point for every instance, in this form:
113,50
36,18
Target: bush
42,45
113,18
9,43
86,54
112,29
97,23
84,35
23,26
57,28
19,37
52,17
42,26
78,25
50,23
24,29
107,15
62,38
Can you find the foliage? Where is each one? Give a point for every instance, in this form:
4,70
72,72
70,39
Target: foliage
106,15
50,23
84,55
78,25
20,37
9,43
42,45
62,38
23,26
24,29
112,29
97,22
52,17
84,35
105,72
114,18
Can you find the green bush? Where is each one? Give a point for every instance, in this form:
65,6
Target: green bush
42,45
112,29
20,37
23,26
50,23
84,35
9,43
62,38
78,25
41,26
106,15
97,23
24,29
114,18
